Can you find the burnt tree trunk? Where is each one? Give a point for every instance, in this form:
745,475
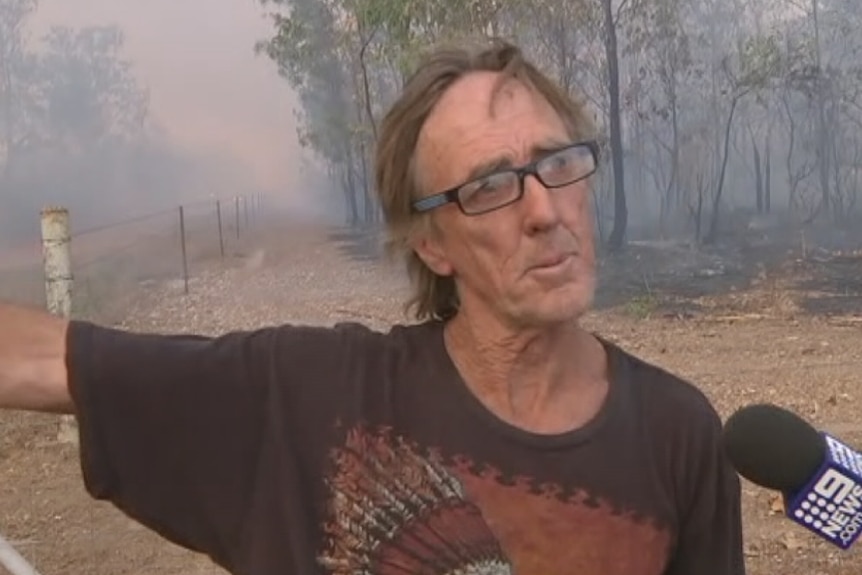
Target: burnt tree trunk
616,240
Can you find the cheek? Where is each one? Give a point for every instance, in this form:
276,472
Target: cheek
584,203
484,246
579,215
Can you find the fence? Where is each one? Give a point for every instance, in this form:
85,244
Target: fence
93,273
13,561
105,262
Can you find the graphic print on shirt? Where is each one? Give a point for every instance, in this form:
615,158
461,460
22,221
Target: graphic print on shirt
395,509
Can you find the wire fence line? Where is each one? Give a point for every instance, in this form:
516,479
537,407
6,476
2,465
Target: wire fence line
98,268
93,272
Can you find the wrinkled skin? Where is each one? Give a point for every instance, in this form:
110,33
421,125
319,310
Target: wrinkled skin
525,273
532,263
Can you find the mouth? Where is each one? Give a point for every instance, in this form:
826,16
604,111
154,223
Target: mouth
552,261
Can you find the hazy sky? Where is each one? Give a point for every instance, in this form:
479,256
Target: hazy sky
208,89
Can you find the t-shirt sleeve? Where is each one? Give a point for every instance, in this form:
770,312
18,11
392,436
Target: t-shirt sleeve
171,427
710,537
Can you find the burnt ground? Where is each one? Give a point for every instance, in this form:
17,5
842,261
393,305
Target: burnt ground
746,322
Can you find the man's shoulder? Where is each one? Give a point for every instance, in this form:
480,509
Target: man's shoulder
356,331
297,344
365,342
665,395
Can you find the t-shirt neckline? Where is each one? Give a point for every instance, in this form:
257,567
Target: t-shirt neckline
473,407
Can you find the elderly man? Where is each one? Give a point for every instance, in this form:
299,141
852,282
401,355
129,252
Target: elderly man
494,436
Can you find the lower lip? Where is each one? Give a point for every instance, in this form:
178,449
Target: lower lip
553,267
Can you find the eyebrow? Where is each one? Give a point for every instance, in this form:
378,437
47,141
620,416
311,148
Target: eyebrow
504,163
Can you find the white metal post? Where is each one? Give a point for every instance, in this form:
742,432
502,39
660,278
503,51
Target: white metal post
12,561
57,260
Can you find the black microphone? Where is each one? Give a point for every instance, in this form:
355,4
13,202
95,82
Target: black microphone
819,476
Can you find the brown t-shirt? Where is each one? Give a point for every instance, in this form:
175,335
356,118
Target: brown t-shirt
298,450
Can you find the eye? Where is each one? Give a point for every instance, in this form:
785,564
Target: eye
561,160
488,190
565,166
492,184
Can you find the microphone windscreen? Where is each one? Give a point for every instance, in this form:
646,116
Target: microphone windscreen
773,447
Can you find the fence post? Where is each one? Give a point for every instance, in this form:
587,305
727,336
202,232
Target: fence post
12,561
236,214
57,265
220,233
185,256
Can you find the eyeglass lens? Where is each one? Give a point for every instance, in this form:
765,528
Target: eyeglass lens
500,188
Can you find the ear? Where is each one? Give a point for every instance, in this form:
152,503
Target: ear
430,250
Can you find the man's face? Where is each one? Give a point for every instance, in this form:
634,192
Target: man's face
532,262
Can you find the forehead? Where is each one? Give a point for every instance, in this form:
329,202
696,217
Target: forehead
479,121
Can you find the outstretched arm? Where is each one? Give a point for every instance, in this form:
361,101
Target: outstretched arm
33,372
173,428
169,425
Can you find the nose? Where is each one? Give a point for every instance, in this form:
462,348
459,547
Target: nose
539,206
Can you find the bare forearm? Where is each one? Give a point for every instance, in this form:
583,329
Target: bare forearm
32,361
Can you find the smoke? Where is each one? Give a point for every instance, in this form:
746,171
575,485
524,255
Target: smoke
220,119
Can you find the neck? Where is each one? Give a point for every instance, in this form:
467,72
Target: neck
529,377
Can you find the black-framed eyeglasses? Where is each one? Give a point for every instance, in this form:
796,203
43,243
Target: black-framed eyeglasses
562,167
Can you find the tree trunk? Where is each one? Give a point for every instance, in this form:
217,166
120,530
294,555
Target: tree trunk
767,176
712,234
616,240
758,177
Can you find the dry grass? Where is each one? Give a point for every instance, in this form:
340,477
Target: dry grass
752,343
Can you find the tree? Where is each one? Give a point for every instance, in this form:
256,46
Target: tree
618,232
18,107
759,62
695,99
659,43
305,48
90,93
346,59
73,119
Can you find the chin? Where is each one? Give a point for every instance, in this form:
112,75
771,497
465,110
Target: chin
555,308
